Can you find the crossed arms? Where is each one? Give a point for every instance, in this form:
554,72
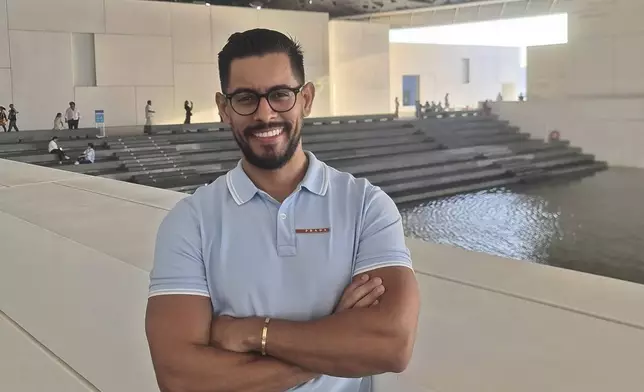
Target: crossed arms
192,352
371,331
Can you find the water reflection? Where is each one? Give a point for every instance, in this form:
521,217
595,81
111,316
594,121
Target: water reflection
595,225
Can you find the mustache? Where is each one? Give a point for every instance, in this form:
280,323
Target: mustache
250,130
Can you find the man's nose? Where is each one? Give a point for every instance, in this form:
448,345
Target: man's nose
265,112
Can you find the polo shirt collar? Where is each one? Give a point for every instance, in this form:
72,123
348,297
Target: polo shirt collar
242,189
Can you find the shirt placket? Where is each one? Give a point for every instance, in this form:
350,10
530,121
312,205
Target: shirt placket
286,244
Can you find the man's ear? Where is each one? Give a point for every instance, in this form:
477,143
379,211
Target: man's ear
222,104
308,95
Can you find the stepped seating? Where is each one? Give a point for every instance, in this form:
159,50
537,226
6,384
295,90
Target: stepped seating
349,119
459,153
46,135
148,159
411,160
452,114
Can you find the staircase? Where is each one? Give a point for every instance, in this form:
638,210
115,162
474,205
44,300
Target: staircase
150,159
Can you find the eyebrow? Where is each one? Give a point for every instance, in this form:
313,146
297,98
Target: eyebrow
250,90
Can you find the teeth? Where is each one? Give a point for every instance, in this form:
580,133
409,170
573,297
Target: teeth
270,133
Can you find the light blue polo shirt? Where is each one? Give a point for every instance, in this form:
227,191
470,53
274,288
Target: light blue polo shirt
254,256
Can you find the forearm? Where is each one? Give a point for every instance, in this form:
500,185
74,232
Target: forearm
354,343
207,369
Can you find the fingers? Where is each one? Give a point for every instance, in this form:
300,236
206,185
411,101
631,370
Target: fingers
357,282
371,298
357,291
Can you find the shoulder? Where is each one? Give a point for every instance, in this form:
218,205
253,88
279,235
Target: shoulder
205,201
359,190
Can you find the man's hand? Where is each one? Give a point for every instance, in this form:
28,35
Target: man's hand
240,335
363,292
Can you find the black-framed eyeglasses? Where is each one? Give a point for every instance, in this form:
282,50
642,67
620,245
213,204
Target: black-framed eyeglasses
280,99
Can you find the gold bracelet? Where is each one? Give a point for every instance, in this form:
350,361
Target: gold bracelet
264,334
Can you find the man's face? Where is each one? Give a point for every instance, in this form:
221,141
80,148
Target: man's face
267,138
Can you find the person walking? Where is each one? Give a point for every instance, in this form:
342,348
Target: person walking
13,118
188,105
72,116
149,114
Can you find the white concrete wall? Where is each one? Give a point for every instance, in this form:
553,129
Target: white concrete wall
359,58
547,71
42,79
440,71
486,323
120,102
610,128
110,54
592,88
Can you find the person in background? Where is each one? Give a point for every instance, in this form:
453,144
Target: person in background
149,114
188,105
13,118
439,108
88,156
487,109
59,124
427,107
419,110
3,118
499,97
521,97
447,104
72,116
53,148
397,104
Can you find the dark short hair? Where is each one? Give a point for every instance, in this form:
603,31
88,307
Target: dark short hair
259,42
90,145
72,103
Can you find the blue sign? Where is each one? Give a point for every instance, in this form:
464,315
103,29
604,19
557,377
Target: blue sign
99,116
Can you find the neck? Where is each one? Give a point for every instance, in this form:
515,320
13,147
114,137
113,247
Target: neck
282,182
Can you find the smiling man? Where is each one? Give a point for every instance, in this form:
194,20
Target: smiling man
284,273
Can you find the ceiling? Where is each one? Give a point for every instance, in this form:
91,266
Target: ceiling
338,8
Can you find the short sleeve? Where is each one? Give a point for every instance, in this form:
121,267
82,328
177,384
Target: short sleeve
382,239
178,261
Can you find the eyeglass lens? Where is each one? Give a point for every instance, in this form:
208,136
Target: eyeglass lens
246,102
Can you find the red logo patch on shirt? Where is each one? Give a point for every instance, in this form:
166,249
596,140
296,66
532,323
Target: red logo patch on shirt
313,231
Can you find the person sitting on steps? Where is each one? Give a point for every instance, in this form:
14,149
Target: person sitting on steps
56,150
88,156
59,124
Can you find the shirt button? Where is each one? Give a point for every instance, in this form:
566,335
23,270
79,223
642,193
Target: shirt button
283,216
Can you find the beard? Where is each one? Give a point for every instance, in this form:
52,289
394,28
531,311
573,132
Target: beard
270,161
